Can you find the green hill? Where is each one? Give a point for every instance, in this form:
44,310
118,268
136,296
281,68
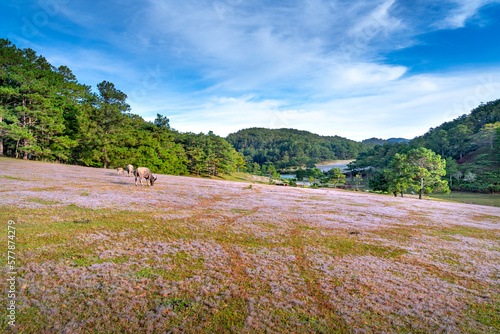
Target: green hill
469,143
289,147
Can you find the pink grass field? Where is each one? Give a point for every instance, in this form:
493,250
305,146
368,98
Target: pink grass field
96,254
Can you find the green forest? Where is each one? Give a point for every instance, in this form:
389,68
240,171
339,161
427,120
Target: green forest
47,115
284,148
470,144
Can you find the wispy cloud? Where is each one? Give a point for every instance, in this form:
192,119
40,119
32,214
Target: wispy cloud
378,21
463,11
228,64
404,108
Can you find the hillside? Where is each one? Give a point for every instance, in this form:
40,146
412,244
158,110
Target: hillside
470,144
478,170
473,141
291,148
464,134
195,255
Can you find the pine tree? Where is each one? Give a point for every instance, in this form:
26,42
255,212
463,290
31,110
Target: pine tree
336,176
425,171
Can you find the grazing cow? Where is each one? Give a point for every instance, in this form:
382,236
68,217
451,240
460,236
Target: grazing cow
130,170
119,170
144,173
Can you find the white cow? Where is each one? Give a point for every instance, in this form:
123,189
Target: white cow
144,173
130,170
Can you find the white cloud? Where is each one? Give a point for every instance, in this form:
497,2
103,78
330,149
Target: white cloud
231,64
367,74
404,108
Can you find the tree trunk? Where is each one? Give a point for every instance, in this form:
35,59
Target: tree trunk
421,188
1,139
24,125
17,146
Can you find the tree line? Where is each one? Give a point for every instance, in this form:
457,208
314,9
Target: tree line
469,145
285,148
47,115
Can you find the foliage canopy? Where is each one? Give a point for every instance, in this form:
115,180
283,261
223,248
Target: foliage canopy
46,114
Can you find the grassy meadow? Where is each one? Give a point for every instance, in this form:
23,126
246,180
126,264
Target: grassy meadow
190,255
470,198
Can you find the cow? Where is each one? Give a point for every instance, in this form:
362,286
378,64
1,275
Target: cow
130,170
144,173
119,170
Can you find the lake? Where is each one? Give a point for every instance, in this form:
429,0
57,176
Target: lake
342,164
324,166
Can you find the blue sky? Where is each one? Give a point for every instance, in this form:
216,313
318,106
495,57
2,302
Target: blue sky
358,69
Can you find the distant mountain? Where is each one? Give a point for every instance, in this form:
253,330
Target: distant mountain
374,141
379,141
399,140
